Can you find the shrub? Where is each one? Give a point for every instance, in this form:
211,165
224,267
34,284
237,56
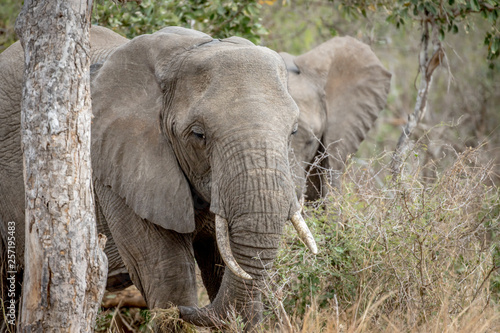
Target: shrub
408,253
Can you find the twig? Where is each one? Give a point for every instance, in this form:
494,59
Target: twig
493,269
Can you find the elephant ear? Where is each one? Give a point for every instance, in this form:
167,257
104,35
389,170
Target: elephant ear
129,152
290,62
356,86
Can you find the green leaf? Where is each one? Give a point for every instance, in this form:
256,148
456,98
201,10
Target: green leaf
492,16
431,8
474,5
495,45
487,39
221,11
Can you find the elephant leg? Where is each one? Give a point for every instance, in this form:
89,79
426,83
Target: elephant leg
118,277
160,262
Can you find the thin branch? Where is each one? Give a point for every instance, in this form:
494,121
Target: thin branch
426,69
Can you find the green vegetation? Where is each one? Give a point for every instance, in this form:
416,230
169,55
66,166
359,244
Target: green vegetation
444,16
218,18
8,13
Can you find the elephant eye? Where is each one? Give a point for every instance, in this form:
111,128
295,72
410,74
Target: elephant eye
199,135
295,129
198,132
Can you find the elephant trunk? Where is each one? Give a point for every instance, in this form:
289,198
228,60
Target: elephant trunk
252,200
253,197
253,253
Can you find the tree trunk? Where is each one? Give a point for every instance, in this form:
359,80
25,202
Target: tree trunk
65,266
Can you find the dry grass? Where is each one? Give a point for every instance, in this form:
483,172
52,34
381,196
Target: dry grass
474,319
167,320
398,255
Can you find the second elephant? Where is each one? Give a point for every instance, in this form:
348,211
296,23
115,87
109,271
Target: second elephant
340,87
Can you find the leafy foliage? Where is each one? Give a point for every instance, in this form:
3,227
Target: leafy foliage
8,13
219,18
447,16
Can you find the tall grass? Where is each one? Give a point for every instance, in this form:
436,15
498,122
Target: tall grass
396,255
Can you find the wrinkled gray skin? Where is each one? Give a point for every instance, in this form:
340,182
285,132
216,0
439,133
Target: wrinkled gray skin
184,127
340,87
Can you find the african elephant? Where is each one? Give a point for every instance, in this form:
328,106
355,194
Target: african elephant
340,87
190,141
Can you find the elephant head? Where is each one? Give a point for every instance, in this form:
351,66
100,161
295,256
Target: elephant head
179,115
340,86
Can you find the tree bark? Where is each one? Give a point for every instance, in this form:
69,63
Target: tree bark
65,266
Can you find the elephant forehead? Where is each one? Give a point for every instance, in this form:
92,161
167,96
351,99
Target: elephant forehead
246,82
302,89
231,62
314,123
249,109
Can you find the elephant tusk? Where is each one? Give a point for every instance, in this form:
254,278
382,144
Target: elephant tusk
222,236
304,232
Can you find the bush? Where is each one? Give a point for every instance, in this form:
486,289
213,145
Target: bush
408,254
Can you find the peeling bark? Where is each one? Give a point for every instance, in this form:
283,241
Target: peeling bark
65,266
